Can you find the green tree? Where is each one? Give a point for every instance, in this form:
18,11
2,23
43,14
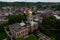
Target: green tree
17,18
3,34
48,24
12,19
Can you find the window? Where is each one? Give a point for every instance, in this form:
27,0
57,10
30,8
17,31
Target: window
22,32
26,31
17,34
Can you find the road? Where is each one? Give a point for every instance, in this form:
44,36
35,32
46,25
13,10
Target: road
42,36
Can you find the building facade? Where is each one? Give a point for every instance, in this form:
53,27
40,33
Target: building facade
22,29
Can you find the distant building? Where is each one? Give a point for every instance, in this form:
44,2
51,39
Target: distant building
57,16
3,19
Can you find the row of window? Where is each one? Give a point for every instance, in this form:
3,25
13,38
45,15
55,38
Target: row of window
25,32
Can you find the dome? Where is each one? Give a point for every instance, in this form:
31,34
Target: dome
30,12
22,23
36,19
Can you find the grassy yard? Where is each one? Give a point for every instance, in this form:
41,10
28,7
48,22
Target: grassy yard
32,37
3,36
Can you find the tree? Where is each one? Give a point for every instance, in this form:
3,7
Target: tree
48,24
57,32
21,17
3,34
12,19
17,18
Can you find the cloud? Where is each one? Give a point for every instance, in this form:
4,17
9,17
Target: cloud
8,0
31,0
43,0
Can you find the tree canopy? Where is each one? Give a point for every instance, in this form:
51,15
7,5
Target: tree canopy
17,18
51,27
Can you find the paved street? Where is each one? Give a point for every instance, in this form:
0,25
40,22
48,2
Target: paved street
42,36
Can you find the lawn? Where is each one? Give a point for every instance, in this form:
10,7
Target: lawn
3,36
32,37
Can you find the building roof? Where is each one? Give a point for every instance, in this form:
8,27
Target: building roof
58,17
18,26
32,23
36,19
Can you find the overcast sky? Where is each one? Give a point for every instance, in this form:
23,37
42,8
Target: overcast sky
31,0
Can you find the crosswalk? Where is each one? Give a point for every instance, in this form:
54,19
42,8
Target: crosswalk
42,36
